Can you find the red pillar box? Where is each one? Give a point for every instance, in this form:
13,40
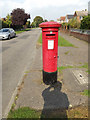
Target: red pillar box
50,51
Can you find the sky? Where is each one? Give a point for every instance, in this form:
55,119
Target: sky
48,9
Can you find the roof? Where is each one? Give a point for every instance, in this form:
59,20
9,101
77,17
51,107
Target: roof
58,18
70,16
4,19
62,18
81,13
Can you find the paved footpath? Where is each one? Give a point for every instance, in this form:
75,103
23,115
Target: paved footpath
66,92
75,55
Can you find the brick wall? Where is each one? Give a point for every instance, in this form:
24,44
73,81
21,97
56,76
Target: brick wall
65,31
81,36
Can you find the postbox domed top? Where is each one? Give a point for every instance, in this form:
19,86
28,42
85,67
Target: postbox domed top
50,24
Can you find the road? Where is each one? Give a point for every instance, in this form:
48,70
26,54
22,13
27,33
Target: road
17,54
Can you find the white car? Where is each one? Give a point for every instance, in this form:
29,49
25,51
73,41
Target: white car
7,33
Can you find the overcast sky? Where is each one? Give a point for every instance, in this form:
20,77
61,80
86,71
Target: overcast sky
48,9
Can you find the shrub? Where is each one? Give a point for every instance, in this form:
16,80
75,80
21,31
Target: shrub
85,23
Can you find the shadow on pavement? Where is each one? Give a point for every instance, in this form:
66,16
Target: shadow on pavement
55,102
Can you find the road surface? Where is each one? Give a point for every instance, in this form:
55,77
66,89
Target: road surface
17,54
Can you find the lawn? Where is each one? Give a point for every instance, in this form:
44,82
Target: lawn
61,41
20,31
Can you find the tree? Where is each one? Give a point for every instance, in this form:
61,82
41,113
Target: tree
74,23
45,20
37,21
51,20
85,23
3,23
33,25
19,17
8,20
28,24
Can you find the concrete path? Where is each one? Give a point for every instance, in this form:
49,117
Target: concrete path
63,94
77,55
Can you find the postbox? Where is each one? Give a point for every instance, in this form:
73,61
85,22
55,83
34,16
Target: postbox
50,51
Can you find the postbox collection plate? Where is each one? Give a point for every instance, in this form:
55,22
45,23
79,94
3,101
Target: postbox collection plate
50,44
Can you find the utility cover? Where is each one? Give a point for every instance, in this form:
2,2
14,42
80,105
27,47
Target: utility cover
81,76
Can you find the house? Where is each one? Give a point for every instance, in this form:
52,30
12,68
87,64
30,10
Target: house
68,17
80,14
62,19
3,19
58,20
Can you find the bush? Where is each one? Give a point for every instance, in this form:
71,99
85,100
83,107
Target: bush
17,27
4,24
66,25
85,23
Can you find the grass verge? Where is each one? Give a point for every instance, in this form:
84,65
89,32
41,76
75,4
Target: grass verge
64,43
86,93
20,31
88,71
80,112
40,39
66,67
26,112
61,41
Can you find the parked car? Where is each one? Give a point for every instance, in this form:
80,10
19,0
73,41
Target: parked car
7,33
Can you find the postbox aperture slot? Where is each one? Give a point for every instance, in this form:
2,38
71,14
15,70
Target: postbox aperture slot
50,34
50,44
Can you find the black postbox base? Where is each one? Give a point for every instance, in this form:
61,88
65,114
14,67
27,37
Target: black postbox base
49,77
